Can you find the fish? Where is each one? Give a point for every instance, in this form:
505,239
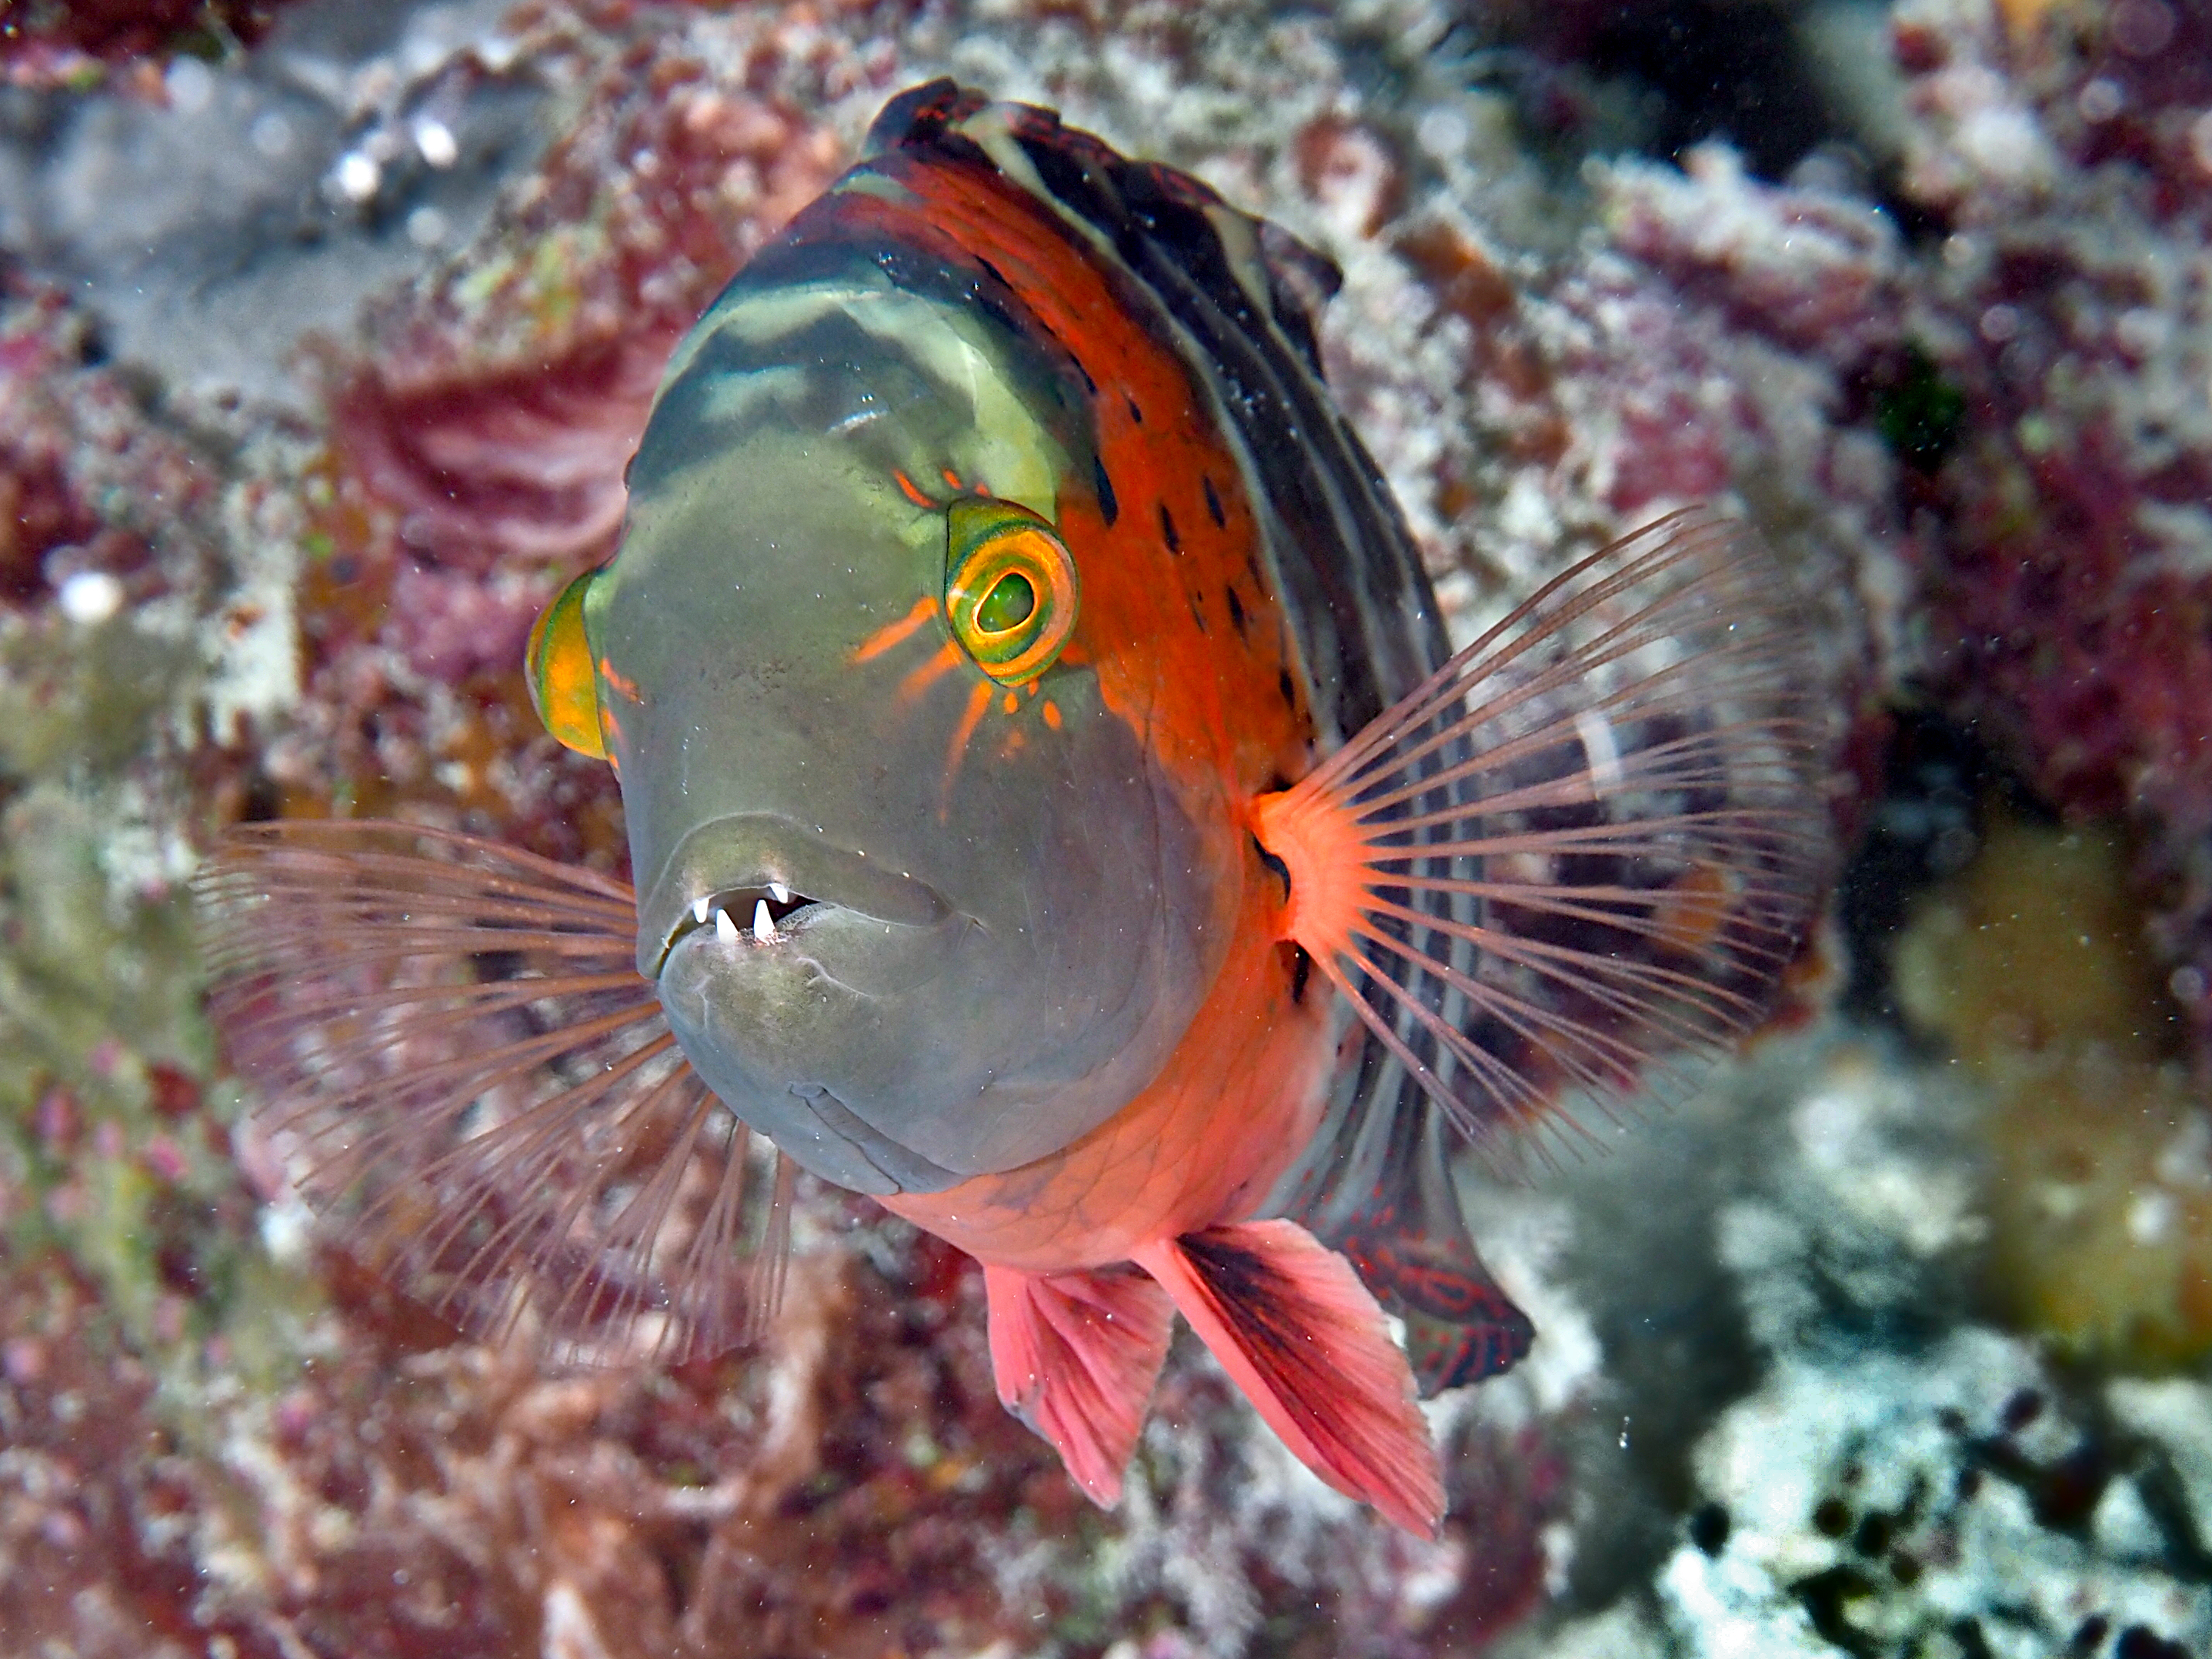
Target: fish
1056,811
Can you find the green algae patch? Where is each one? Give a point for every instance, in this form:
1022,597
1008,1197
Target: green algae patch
115,1157
1921,415
2033,965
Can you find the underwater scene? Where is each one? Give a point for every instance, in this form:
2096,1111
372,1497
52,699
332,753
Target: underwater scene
1105,829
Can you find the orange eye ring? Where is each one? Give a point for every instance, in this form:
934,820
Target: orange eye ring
564,688
1011,589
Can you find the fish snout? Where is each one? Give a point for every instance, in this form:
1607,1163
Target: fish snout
760,880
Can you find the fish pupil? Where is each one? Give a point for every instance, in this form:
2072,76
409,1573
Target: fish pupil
1011,602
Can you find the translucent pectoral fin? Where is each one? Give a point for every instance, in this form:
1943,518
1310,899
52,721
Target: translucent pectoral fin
1585,847
1076,1356
472,1082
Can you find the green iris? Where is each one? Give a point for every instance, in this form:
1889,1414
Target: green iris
1011,590
1010,603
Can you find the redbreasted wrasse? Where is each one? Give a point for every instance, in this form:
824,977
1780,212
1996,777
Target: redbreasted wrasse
1057,813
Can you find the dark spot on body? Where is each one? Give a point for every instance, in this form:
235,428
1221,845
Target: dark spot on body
1197,612
1135,413
1236,611
1213,504
1967,1633
1301,974
1168,530
1281,871
1872,1535
2090,1635
2021,1410
1285,685
1832,1518
1089,384
1709,1528
1109,508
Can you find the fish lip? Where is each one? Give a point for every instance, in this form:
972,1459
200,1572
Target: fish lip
742,852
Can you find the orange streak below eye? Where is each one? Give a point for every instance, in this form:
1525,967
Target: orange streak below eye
952,478
907,488
892,634
626,688
947,659
1052,714
979,703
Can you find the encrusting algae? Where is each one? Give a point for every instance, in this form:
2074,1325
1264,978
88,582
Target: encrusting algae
2033,965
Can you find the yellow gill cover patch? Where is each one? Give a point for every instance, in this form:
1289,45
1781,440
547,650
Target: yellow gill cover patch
564,686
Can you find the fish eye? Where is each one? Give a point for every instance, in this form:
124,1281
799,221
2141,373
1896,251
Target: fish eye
1011,602
563,687
1011,589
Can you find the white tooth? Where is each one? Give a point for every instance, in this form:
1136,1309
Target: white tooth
725,929
699,908
763,929
779,892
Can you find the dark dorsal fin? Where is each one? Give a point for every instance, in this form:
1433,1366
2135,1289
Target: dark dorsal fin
920,115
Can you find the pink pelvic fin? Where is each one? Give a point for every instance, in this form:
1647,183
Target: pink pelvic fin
1292,1324
1076,1355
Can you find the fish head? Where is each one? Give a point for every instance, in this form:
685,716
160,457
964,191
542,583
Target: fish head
919,905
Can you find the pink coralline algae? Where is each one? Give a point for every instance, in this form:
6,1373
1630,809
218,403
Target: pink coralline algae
86,481
62,45
2069,567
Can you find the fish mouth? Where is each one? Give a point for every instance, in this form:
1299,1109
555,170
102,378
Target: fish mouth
766,916
774,953
761,882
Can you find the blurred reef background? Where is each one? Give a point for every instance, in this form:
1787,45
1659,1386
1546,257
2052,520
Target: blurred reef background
325,328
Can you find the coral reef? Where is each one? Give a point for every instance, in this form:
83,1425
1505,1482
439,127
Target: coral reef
2067,153
1887,1504
324,334
76,44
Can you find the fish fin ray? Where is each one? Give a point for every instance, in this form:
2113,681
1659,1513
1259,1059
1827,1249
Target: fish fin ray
1290,1321
472,1084
1583,853
1076,1356
1382,1194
